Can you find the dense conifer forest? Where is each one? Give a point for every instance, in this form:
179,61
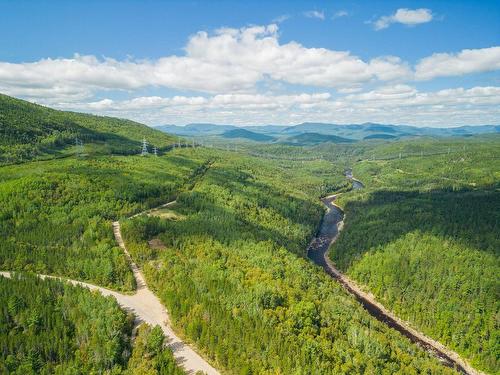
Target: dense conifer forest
50,327
30,131
423,236
228,261
55,216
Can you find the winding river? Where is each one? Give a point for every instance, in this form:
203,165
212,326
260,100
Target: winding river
331,225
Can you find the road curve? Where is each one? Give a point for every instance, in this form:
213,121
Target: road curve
331,225
147,308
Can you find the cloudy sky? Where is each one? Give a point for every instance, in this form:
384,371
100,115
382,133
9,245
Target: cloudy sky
434,63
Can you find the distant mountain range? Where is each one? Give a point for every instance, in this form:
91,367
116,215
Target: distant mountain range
313,133
247,134
305,139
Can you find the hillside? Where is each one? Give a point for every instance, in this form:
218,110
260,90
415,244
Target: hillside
228,258
231,250
196,130
29,131
247,134
350,131
380,136
315,138
76,199
422,236
229,264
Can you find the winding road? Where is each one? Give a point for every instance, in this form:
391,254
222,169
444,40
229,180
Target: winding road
331,225
147,308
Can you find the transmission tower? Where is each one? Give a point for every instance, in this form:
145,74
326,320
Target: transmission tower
144,147
79,146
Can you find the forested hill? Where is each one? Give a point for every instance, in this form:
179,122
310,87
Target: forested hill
29,131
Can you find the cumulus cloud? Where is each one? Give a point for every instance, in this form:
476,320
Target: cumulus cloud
230,60
463,62
221,101
404,95
405,104
397,103
315,14
230,69
409,17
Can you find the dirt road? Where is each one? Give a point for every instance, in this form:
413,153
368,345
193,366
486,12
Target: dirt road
147,308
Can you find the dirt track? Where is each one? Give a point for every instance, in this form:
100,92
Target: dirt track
147,308
317,251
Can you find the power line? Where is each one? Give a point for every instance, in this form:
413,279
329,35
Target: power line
79,146
144,147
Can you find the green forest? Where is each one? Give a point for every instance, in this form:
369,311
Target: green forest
228,262
55,216
423,237
29,131
51,327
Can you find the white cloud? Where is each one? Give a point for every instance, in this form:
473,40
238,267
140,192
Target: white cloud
350,90
385,93
409,17
404,104
464,62
230,60
315,14
389,68
281,18
340,13
406,96
387,104
221,101
231,69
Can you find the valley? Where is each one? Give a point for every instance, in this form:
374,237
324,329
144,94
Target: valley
211,250
332,223
249,187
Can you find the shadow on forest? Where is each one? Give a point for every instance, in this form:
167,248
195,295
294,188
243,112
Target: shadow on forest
238,218
245,185
225,224
468,217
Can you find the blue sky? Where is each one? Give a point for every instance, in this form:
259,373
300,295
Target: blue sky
430,63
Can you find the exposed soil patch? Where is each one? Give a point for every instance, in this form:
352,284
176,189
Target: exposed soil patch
156,244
